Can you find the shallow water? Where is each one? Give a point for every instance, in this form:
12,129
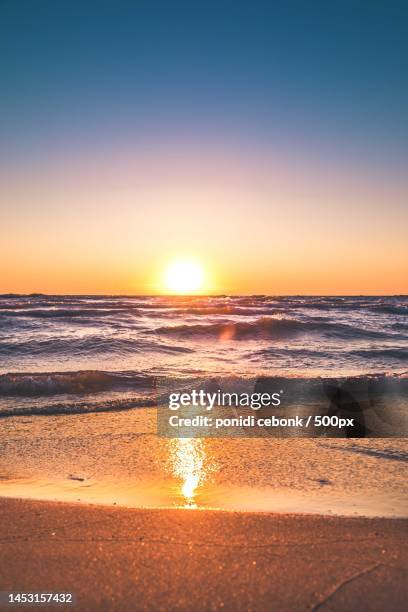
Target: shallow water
117,458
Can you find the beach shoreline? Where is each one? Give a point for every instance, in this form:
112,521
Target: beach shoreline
121,558
118,458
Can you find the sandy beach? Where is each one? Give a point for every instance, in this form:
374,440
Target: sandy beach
123,559
100,506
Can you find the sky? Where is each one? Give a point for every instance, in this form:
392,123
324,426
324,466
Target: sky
267,141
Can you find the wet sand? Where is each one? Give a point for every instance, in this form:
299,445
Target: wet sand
118,457
119,558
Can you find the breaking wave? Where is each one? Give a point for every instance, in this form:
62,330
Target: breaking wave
73,393
54,383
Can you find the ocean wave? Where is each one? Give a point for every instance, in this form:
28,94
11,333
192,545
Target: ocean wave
269,327
230,310
400,326
89,346
60,409
371,391
44,313
293,353
389,309
85,381
392,353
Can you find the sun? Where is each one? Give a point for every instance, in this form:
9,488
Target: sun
184,276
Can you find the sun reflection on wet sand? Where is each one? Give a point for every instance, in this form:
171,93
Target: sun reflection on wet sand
189,463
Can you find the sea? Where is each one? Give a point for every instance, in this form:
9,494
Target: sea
81,377
73,354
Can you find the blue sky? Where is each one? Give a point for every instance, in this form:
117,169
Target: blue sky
320,74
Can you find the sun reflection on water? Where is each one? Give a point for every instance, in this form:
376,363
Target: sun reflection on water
189,463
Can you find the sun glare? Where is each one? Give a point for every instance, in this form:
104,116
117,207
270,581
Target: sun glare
184,276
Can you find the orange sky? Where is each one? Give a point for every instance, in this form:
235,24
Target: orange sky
258,224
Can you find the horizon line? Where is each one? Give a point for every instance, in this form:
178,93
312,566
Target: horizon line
190,295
